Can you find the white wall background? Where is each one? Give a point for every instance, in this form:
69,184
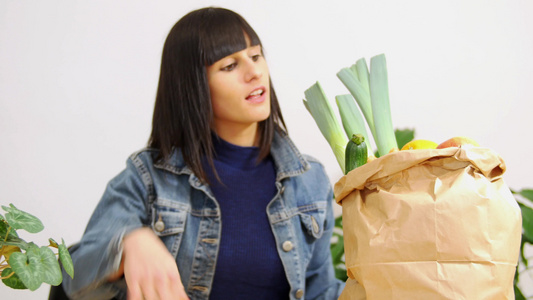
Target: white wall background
78,79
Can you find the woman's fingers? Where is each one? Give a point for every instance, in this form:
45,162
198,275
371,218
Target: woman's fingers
176,289
159,290
166,285
134,292
150,292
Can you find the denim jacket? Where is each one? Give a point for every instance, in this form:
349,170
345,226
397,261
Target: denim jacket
183,212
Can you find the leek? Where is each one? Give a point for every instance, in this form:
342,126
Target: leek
362,73
320,109
361,95
351,118
353,69
381,113
370,90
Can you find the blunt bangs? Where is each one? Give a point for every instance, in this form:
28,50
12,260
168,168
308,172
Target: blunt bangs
223,33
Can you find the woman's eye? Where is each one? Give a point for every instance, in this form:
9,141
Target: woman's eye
229,67
256,57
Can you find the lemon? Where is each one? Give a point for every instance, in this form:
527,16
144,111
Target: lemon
420,144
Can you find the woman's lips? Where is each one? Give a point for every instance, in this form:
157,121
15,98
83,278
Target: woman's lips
256,96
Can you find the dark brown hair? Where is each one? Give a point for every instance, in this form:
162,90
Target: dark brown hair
183,114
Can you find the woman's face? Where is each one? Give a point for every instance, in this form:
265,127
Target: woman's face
240,91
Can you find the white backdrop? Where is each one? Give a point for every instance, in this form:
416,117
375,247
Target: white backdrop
78,79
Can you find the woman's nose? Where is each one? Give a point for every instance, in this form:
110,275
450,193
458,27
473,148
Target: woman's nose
253,70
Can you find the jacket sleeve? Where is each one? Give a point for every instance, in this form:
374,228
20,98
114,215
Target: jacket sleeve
123,208
321,282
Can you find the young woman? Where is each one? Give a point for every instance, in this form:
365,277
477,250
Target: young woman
221,205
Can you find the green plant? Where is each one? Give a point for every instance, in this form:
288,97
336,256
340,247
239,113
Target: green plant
25,265
337,250
525,201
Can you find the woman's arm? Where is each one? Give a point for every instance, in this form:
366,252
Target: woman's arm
116,242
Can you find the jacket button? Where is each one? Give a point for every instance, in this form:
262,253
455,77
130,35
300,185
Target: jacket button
316,229
287,246
299,293
159,226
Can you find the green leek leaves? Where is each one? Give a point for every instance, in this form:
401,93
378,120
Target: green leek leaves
318,106
367,106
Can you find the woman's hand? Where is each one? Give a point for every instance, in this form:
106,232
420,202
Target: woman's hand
150,270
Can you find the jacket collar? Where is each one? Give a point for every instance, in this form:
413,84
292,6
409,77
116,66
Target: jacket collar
287,158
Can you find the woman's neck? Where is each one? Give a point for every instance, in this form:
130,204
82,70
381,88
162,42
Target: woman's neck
245,136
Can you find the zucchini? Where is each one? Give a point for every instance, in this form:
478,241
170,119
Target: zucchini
356,153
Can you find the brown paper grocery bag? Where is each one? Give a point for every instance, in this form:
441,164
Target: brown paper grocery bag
430,224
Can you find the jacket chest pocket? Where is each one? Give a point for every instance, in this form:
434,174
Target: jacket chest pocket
168,222
313,219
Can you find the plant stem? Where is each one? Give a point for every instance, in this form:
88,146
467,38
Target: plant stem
2,251
7,232
12,273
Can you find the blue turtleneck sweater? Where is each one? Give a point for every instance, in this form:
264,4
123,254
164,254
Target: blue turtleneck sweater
248,265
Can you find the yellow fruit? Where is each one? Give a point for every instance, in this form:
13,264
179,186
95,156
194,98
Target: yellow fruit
419,144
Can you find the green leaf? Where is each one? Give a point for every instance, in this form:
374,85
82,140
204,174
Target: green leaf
14,241
518,293
527,193
28,267
19,219
527,221
526,239
338,222
404,136
522,252
53,243
341,274
13,281
4,229
51,270
66,260
337,249
36,266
